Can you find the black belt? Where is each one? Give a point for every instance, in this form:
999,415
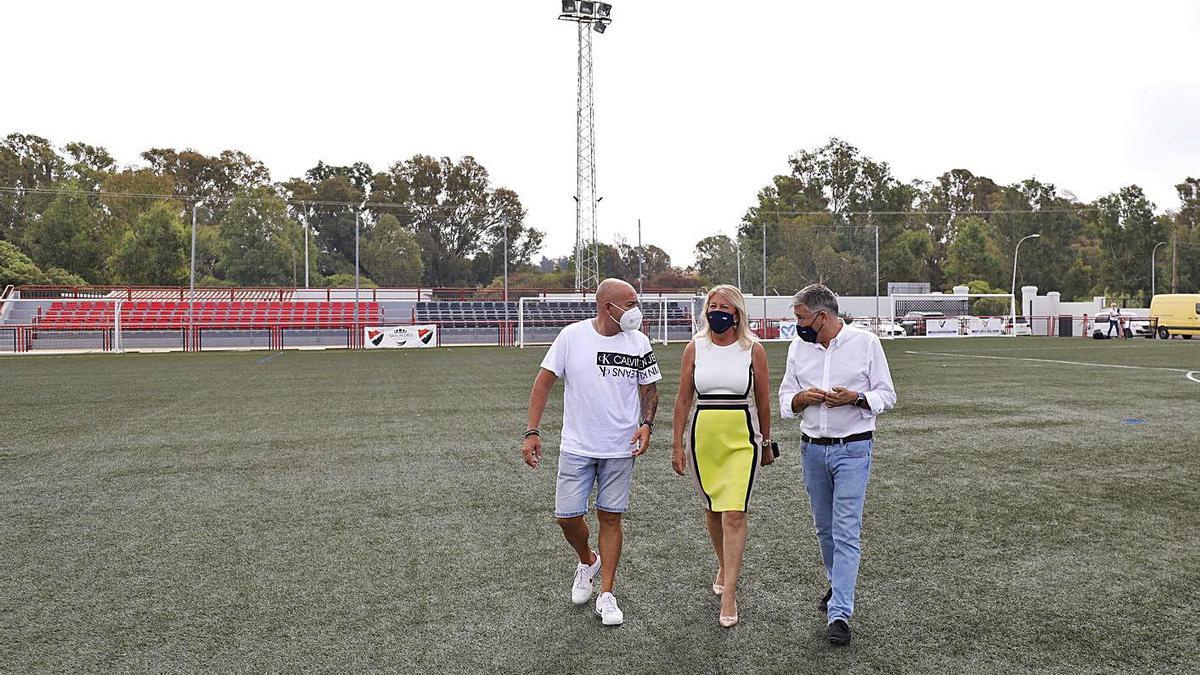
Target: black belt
853,438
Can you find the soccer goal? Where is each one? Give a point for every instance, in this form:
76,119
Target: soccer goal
665,318
954,315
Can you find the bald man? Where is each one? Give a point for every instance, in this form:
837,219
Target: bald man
609,403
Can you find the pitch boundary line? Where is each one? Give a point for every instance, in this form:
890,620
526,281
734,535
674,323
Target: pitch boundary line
1186,373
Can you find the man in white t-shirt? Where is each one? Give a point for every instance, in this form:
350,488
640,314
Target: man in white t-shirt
609,403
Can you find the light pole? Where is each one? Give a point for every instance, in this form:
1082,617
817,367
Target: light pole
737,243
192,280
1154,290
357,330
1014,279
505,225
588,16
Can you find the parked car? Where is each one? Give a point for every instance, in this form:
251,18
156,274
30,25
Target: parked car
883,327
1137,326
913,323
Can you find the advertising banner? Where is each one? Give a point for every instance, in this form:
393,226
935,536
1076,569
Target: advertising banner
400,337
985,326
941,327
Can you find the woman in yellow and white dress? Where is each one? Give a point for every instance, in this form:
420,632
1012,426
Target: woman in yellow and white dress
722,430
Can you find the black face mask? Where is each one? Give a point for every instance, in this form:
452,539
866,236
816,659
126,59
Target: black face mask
720,321
807,333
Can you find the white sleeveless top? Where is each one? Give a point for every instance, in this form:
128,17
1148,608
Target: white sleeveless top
722,370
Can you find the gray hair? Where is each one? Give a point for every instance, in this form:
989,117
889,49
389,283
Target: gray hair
817,298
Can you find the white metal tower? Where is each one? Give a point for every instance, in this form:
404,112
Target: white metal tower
589,17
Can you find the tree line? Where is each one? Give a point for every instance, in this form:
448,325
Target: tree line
819,221
72,215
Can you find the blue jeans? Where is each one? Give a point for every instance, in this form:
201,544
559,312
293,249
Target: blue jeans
577,475
835,477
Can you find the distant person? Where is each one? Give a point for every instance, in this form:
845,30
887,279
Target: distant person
1114,319
837,381
726,435
609,403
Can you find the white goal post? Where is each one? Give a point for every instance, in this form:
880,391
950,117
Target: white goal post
955,314
665,317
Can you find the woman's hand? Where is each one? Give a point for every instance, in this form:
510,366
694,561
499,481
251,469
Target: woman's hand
767,456
678,463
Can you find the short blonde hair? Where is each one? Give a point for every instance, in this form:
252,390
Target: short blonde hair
731,293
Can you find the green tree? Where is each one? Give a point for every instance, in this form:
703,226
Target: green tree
455,213
973,254
136,182
391,254
69,235
716,259
213,180
155,251
1128,229
859,193
17,269
329,208
1183,276
260,244
27,162
988,306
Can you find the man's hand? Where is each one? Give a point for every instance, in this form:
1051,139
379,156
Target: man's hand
532,450
810,396
640,440
678,463
841,396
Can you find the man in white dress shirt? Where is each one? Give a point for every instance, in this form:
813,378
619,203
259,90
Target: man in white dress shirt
837,381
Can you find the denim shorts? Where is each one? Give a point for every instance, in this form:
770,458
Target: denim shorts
577,475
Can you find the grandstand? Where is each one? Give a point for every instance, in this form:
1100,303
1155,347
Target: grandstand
46,318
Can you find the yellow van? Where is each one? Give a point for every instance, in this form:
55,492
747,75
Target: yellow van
1177,314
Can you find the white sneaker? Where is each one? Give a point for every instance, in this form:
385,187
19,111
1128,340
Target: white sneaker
610,614
581,588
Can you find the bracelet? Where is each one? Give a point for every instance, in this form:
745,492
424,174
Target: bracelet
533,432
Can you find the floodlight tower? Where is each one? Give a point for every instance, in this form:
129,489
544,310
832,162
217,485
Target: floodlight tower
588,17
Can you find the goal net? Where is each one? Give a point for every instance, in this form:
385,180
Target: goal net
665,318
952,315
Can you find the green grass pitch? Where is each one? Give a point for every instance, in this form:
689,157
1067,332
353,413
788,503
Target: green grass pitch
335,511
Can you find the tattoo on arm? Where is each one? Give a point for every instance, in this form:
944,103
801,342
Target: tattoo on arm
649,395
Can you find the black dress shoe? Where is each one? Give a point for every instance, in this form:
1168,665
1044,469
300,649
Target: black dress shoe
839,633
825,601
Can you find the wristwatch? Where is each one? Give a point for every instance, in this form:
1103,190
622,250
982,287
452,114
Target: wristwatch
649,423
862,402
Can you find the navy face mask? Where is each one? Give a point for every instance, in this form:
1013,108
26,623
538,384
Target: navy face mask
807,333
720,321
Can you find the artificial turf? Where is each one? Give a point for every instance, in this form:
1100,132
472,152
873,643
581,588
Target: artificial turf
338,511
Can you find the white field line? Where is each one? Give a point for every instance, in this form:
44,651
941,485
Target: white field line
1187,373
1192,376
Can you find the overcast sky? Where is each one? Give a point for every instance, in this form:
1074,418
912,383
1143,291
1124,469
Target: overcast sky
698,104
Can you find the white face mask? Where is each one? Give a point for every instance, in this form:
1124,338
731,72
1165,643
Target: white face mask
631,319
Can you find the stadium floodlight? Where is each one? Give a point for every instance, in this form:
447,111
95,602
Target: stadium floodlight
590,17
